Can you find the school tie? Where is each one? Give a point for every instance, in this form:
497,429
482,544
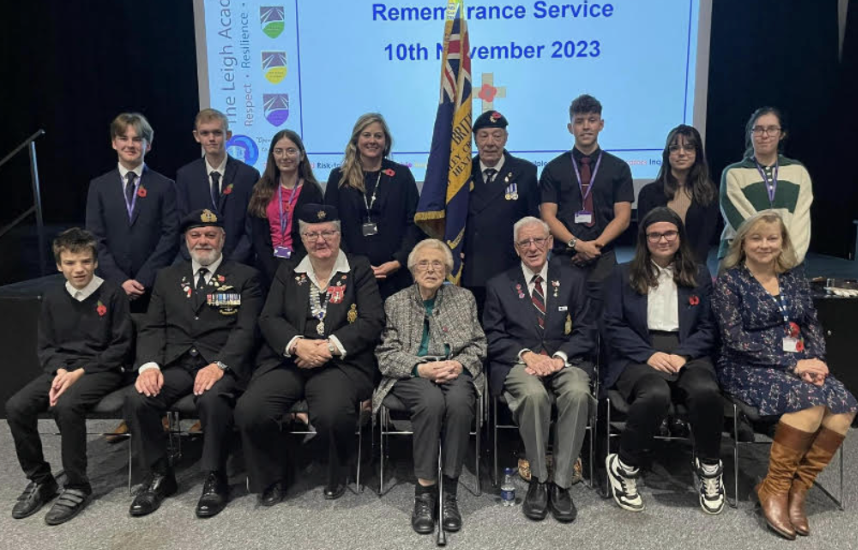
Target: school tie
538,299
129,187
215,188
585,185
489,175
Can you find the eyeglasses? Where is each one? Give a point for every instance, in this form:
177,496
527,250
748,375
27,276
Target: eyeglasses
328,234
686,148
768,130
669,236
424,265
527,243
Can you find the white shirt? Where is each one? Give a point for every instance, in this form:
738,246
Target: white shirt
531,284
497,167
138,171
219,169
85,292
662,305
341,265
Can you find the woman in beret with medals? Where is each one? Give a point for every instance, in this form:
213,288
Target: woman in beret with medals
377,199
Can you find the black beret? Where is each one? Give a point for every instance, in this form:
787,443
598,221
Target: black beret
490,119
201,218
318,213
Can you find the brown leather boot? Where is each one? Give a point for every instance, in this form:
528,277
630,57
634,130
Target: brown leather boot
815,460
789,446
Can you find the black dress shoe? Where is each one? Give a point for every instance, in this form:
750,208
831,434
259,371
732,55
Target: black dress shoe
535,504
423,516
152,494
35,496
561,505
273,494
215,495
452,517
71,503
678,427
335,490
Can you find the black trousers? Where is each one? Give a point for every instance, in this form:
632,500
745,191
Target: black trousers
649,393
332,398
438,409
214,408
596,272
22,412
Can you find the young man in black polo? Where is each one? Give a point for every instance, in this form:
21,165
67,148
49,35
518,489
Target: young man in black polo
84,343
587,197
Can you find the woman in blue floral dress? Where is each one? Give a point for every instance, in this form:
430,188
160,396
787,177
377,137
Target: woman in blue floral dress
773,358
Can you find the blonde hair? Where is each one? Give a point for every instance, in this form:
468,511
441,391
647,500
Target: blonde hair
785,261
137,121
430,243
352,171
208,115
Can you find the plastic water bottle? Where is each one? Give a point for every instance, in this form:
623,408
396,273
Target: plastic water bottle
507,488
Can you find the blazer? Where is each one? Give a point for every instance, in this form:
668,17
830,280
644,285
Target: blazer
492,212
511,324
139,247
356,320
701,222
454,325
179,318
260,235
193,192
625,322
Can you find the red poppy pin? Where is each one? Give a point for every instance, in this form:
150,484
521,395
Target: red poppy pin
141,192
228,189
794,331
389,172
101,309
221,279
693,300
799,346
336,294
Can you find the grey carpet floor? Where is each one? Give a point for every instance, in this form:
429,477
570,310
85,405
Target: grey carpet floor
305,521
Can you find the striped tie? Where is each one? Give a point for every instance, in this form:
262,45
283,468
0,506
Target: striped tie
538,299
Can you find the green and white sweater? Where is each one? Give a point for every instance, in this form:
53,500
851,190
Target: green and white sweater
743,194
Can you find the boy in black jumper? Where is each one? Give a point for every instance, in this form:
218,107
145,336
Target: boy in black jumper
85,340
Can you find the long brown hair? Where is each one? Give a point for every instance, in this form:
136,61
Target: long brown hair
352,171
267,184
699,183
642,273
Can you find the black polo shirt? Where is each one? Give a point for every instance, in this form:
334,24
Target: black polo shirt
559,185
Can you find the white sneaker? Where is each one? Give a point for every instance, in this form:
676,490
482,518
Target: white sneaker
711,487
623,484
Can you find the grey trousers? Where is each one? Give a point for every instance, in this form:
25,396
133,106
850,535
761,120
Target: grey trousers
528,399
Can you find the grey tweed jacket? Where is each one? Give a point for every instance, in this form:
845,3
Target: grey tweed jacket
454,322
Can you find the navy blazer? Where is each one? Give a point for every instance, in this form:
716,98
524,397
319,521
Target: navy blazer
139,247
488,244
193,191
510,321
625,322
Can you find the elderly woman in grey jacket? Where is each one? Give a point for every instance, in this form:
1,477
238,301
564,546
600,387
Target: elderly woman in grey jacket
431,357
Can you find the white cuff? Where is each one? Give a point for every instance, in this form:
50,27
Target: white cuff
290,344
148,366
339,345
563,357
521,354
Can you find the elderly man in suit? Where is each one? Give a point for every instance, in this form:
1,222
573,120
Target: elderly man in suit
541,337
218,182
132,213
503,190
320,325
199,336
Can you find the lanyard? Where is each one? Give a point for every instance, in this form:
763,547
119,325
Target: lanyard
130,206
372,200
772,187
592,177
284,222
783,305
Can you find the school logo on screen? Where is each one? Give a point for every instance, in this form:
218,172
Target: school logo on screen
276,108
274,66
243,148
272,20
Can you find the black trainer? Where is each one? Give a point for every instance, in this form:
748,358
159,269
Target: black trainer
35,496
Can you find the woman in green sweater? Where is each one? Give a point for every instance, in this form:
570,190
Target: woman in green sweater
766,179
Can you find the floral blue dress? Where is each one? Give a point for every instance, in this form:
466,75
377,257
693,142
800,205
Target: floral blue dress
753,365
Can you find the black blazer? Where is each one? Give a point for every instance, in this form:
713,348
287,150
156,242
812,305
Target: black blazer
260,234
136,248
178,319
193,192
701,222
488,245
625,322
393,211
287,308
510,321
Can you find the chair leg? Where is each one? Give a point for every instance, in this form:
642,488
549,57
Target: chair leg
478,448
593,427
494,422
129,464
382,428
607,442
358,486
441,539
735,503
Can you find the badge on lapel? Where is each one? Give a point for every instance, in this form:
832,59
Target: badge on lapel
228,189
511,193
520,291
556,286
301,279
352,314
336,293
567,328
186,287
